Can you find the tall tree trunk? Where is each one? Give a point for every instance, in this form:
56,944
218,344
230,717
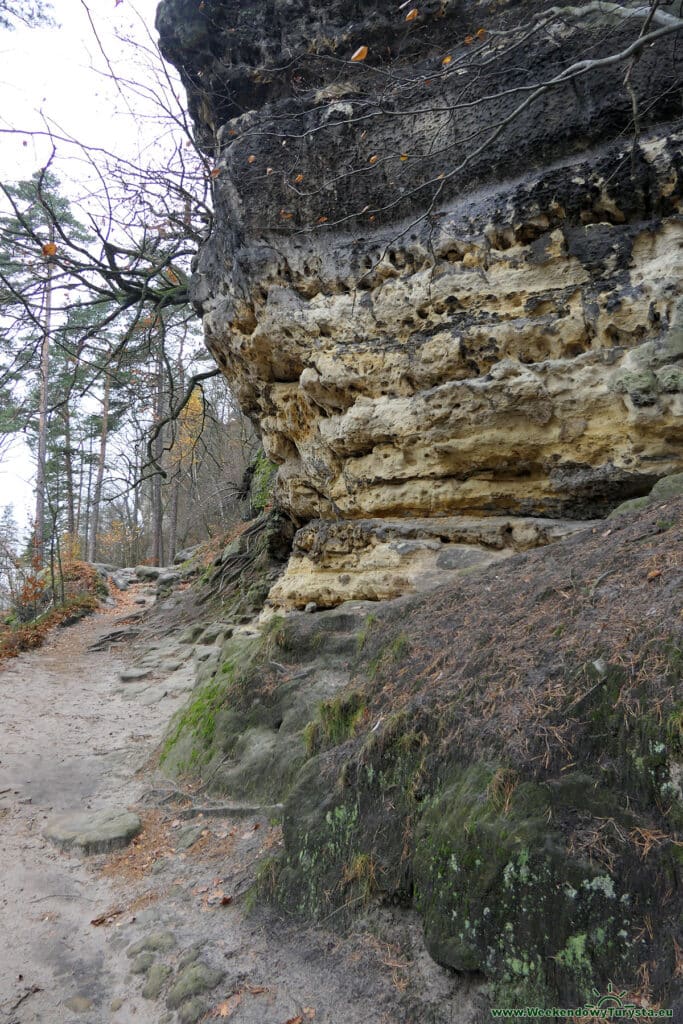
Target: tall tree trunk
69,473
39,529
97,495
173,516
157,506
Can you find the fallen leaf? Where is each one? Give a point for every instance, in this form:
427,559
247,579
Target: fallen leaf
299,178
469,40
251,159
447,60
295,1020
412,15
373,159
256,990
322,220
404,156
480,33
360,54
107,918
214,174
285,214
228,1006
654,574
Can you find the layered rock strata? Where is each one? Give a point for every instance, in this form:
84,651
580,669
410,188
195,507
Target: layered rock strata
436,290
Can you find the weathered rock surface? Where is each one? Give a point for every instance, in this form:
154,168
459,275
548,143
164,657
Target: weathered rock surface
429,315
379,559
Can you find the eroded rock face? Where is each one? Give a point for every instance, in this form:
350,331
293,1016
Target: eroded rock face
428,313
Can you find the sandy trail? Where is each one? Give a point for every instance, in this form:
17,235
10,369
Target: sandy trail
71,739
67,742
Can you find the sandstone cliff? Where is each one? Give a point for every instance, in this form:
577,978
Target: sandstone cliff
427,310
444,281
496,340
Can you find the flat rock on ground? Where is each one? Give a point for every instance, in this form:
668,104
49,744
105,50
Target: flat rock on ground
93,831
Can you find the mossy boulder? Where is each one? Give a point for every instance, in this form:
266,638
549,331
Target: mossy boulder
499,891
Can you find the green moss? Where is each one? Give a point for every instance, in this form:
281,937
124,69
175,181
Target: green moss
359,877
198,720
362,636
340,716
262,481
674,730
500,893
311,736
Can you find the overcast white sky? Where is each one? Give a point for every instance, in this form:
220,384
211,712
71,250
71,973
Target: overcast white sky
60,74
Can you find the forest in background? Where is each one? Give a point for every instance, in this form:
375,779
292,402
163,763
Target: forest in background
138,445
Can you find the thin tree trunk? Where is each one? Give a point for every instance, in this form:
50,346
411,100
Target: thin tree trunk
69,473
88,494
39,529
173,517
97,496
157,507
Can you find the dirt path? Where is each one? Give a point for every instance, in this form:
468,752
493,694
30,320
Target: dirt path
177,943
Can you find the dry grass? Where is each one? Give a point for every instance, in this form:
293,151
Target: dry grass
499,658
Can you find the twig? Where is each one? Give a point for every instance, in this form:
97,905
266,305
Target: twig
29,992
62,896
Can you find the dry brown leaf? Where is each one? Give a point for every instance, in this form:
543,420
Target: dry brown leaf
360,54
214,174
412,15
447,60
299,178
654,574
251,159
228,1006
107,918
373,159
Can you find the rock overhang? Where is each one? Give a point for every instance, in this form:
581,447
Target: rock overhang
420,331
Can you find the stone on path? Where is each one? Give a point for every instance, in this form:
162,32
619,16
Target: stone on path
93,831
79,1004
130,675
